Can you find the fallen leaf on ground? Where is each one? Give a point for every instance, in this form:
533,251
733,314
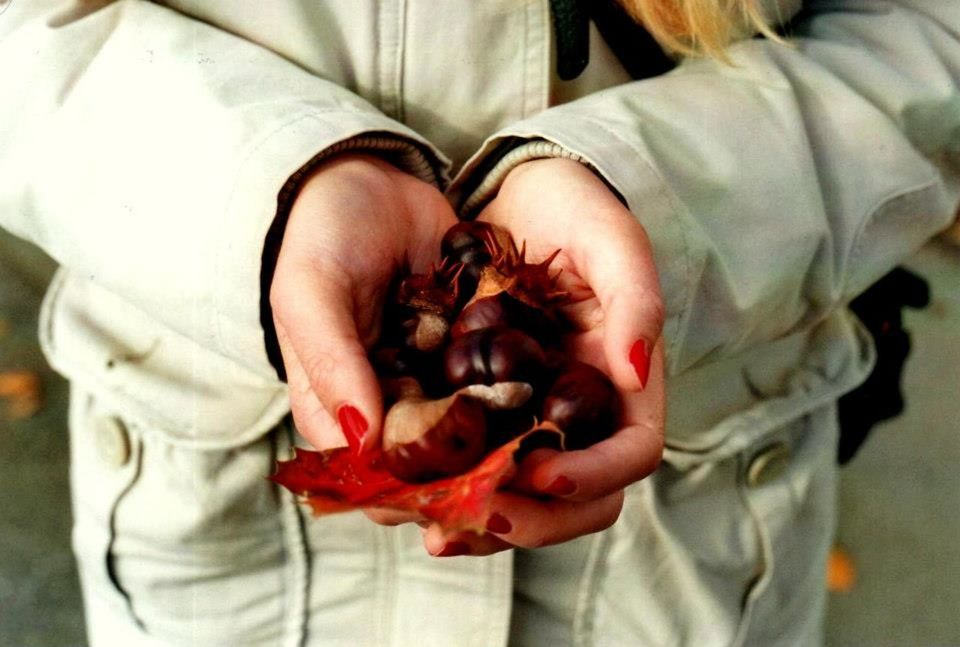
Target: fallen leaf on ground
841,571
22,392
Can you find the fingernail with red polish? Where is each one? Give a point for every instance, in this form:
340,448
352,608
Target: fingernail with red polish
640,359
561,486
354,425
454,548
498,524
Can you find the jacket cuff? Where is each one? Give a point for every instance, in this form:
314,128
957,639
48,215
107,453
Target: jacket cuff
408,155
525,151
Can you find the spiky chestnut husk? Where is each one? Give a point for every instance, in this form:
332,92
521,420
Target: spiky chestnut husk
584,404
472,244
494,355
529,283
435,291
424,440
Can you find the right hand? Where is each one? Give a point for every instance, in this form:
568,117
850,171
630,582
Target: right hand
351,226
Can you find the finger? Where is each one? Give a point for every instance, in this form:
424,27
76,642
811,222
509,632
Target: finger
630,454
465,543
317,316
311,419
390,517
624,278
531,523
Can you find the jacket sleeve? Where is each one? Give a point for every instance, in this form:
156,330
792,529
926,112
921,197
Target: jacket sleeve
779,187
146,150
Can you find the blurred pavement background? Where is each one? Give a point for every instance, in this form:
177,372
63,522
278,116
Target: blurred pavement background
899,499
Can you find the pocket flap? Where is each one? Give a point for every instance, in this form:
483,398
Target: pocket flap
151,375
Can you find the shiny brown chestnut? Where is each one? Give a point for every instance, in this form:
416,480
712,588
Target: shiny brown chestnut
434,439
468,243
493,355
584,404
466,236
502,309
424,440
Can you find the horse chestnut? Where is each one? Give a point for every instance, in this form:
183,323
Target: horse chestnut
453,441
502,309
424,440
584,404
494,355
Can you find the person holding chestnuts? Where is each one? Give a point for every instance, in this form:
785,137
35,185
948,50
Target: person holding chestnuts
235,192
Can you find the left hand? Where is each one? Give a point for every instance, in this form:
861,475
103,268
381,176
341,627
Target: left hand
615,305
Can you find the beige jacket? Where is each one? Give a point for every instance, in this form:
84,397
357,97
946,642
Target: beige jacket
143,145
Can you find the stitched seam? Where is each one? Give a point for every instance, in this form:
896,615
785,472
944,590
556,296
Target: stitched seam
295,549
586,605
856,251
136,447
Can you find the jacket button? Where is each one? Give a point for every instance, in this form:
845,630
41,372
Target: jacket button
768,464
113,441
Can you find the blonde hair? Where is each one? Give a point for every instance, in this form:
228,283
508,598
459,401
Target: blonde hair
699,27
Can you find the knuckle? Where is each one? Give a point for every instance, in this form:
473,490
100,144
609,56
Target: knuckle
319,369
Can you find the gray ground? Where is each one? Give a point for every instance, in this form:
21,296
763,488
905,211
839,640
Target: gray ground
899,499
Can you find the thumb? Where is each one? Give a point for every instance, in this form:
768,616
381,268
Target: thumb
317,316
625,281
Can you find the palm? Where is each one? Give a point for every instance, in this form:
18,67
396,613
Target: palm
614,305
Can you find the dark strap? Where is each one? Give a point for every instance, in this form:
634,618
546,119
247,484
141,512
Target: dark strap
638,52
571,27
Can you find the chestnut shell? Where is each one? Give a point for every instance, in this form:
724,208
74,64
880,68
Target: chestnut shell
584,404
493,355
450,447
504,310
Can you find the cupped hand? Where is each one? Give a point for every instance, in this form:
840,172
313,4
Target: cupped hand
352,225
616,308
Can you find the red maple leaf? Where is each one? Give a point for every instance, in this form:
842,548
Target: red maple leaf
339,479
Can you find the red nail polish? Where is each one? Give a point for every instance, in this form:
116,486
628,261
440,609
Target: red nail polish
454,548
561,486
354,425
498,524
640,358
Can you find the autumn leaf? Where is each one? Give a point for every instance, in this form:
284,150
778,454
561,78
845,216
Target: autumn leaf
22,392
339,480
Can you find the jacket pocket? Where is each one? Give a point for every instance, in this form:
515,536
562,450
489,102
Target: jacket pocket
195,546
727,552
105,462
789,483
